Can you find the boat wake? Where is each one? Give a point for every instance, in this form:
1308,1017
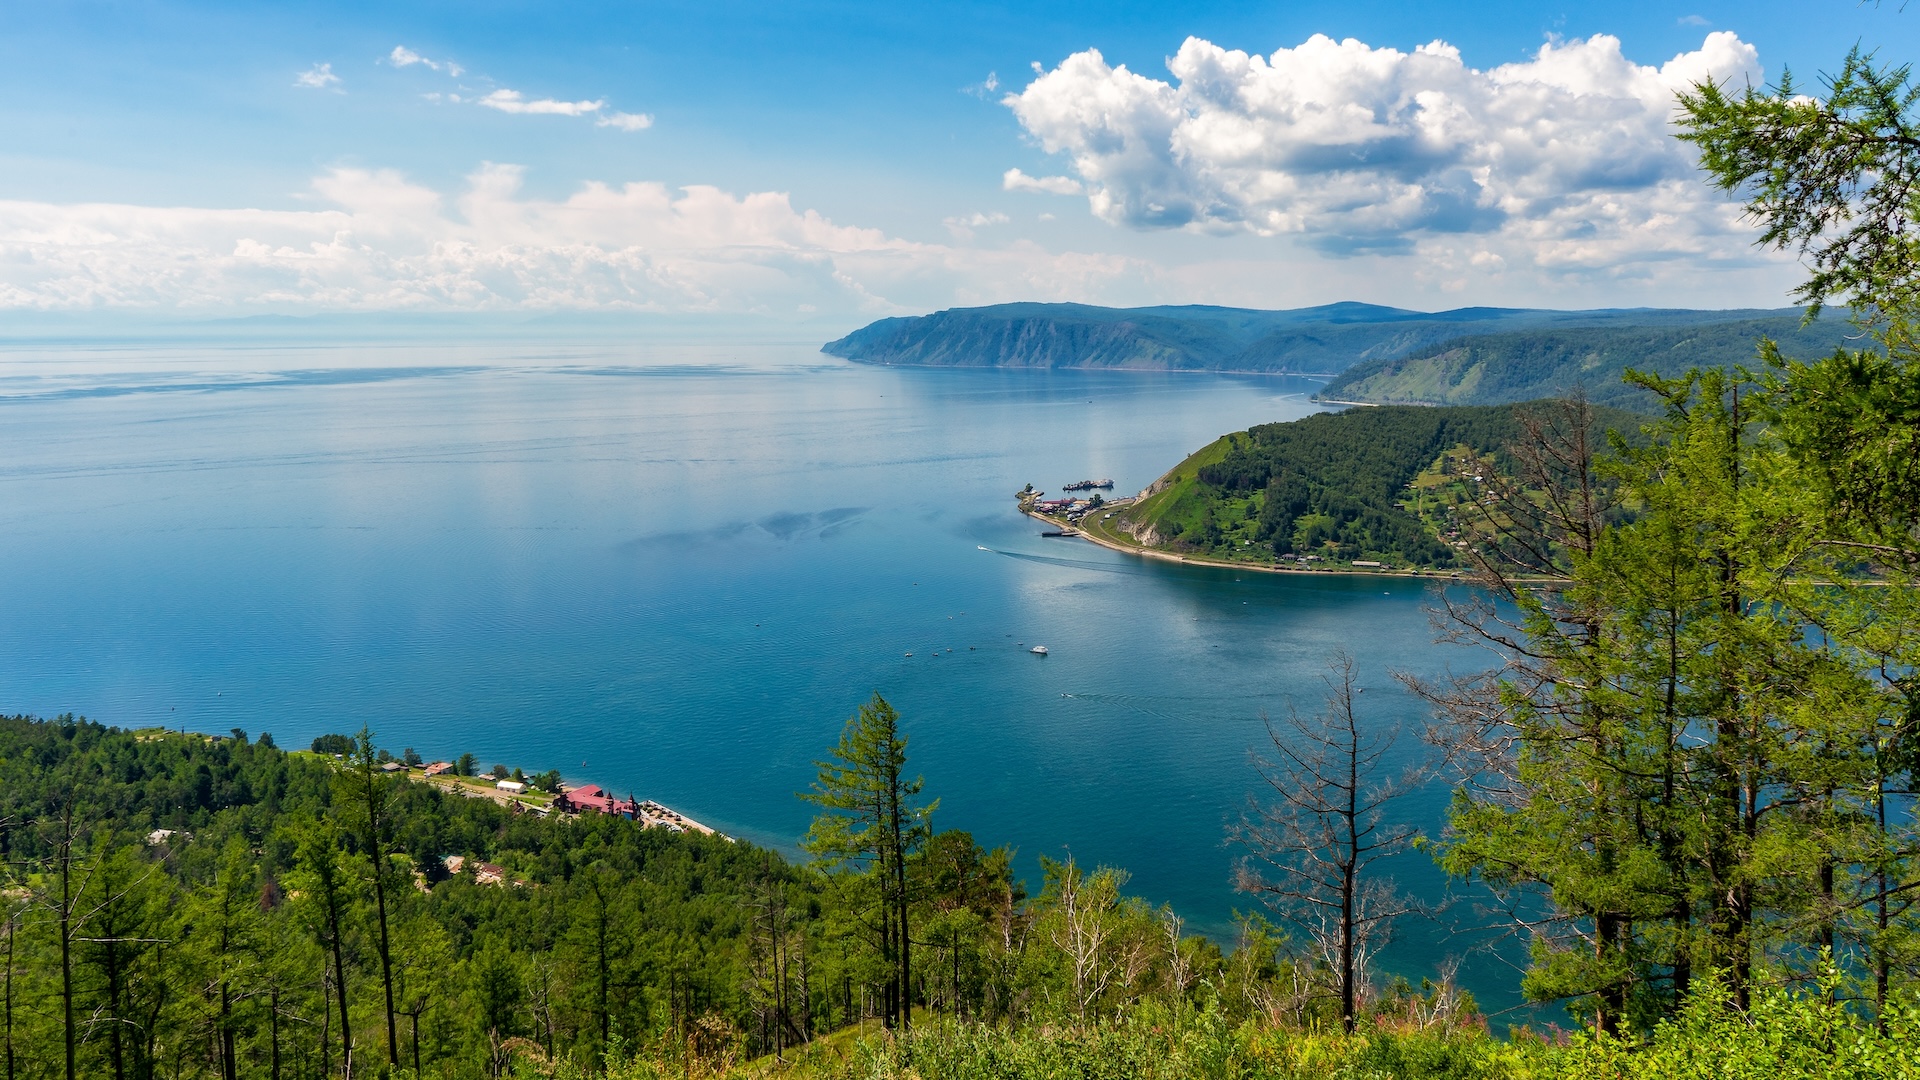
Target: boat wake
1078,564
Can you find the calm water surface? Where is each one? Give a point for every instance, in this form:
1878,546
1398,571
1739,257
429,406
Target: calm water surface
676,571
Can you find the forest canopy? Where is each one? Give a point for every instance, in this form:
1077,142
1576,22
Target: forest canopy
1337,485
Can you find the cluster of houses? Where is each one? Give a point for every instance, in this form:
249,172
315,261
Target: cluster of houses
1074,509
585,799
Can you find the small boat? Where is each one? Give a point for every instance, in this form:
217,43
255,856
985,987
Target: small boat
1061,532
1038,650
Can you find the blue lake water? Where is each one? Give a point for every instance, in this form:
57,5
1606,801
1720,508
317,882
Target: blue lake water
676,571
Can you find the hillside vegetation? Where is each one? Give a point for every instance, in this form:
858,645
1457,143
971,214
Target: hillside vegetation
1334,487
1503,368
182,905
1317,340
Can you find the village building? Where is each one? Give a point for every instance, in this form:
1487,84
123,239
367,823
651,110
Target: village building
590,798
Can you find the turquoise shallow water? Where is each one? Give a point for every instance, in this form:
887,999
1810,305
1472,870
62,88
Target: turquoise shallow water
676,571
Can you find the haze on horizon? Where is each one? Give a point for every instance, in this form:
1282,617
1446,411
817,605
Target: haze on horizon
834,163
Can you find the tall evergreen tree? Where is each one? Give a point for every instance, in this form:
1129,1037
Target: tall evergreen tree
367,795
873,822
323,882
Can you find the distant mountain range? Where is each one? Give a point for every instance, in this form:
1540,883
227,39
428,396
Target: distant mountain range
1383,354
1500,369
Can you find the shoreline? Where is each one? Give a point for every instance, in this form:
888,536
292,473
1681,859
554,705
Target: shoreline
1462,577
1082,367
1088,534
652,814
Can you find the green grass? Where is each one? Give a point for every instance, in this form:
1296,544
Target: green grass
1785,1036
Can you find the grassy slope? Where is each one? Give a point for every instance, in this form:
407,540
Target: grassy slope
1179,497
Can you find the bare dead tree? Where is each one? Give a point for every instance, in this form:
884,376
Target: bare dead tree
1539,513
1315,848
1548,504
1085,928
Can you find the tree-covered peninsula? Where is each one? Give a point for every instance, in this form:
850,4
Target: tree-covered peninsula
1402,487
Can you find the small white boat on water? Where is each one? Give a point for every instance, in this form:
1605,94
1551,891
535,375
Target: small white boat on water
1038,650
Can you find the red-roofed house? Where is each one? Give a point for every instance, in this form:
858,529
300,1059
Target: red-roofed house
590,798
439,767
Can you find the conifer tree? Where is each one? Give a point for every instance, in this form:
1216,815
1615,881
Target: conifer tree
368,794
873,822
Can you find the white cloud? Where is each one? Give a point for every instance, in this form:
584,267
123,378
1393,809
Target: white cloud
318,77
1694,20
387,243
1015,180
512,101
962,226
984,87
1565,162
401,57
625,121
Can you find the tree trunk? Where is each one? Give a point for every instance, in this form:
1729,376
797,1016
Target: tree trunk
374,820
340,985
1350,860
603,974
66,931
13,926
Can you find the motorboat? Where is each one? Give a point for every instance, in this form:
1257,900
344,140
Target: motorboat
1038,650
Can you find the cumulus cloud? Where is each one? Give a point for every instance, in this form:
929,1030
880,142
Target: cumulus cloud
318,77
384,242
625,121
1015,180
1563,161
401,57
513,101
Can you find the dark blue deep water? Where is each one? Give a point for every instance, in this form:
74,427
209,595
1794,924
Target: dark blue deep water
675,572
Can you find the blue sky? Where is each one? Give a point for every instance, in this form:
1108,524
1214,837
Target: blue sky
877,125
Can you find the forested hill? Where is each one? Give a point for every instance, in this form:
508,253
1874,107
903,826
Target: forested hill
1318,340
1373,484
1492,369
